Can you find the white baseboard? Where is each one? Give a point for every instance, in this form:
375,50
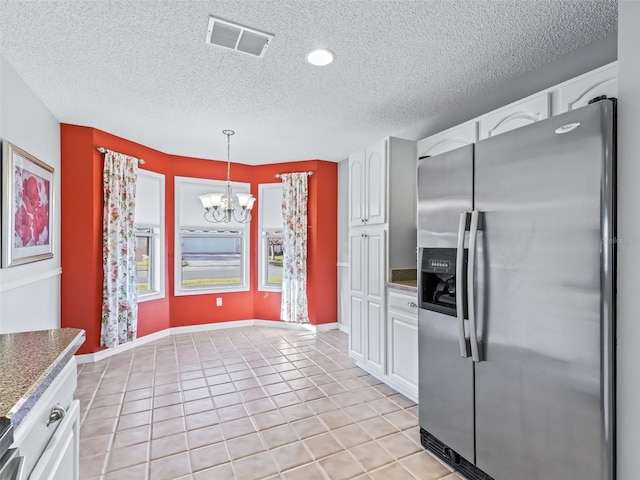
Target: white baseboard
109,352
102,354
345,329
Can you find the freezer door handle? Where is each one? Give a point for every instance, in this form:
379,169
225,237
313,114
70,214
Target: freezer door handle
471,300
464,349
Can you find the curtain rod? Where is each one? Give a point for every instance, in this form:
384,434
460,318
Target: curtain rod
279,175
104,150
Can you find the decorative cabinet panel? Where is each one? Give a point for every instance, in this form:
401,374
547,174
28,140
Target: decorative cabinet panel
367,185
577,92
402,341
357,328
357,174
458,136
516,115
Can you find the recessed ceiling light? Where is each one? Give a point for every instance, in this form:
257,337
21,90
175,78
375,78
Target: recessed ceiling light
320,57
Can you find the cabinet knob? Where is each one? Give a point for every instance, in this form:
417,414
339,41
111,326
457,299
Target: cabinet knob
412,305
57,413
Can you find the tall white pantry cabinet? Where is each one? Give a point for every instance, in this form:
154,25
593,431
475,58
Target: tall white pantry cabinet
382,235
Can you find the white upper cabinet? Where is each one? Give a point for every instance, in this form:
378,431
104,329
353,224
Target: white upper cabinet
527,111
458,136
576,93
567,96
367,185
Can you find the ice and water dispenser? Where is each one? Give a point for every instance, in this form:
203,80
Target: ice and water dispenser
438,281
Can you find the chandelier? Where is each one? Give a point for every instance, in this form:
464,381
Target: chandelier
226,207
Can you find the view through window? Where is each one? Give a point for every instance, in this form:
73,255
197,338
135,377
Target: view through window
211,258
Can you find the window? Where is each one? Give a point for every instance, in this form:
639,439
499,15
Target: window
149,232
210,257
271,227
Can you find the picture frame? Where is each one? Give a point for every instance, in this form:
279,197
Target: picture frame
27,207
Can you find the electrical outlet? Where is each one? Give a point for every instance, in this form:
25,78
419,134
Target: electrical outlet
219,302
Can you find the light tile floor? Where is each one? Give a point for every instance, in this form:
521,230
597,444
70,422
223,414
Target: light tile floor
246,403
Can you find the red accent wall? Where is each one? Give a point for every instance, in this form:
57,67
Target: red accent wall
81,204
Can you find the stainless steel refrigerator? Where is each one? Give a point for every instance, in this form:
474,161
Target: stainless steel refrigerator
516,238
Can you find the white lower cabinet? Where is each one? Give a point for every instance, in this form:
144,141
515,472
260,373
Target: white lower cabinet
384,341
402,342
48,437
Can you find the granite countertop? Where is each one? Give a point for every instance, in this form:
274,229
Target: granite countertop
407,285
29,362
403,279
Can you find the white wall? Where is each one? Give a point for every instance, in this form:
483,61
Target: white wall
343,245
30,294
628,321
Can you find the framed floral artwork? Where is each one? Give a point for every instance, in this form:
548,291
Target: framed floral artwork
27,207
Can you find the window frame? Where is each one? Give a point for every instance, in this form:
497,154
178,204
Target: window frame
157,244
202,230
263,233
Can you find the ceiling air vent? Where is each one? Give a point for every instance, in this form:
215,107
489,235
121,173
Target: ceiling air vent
237,37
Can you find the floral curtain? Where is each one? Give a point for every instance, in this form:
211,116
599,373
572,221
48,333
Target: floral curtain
119,293
294,264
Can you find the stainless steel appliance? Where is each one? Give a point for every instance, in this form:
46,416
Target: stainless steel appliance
516,238
11,465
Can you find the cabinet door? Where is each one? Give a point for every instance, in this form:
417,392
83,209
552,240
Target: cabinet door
60,459
577,92
375,259
357,331
376,348
357,173
456,137
402,341
529,110
376,184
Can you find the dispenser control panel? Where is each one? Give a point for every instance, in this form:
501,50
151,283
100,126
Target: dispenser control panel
439,263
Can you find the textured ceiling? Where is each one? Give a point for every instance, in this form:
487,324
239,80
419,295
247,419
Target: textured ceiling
140,69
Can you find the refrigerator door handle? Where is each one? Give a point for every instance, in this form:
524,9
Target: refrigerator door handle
460,293
471,300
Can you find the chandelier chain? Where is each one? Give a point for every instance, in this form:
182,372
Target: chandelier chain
228,134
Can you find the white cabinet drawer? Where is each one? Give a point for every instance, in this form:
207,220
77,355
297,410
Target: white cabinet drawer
403,302
33,434
59,461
